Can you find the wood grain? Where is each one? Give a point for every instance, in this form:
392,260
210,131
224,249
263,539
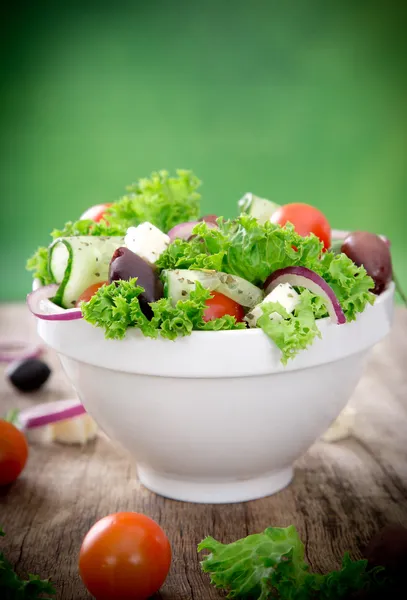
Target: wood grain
342,493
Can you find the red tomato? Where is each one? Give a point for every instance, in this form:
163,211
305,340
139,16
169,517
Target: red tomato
220,305
124,556
96,213
88,293
13,452
306,219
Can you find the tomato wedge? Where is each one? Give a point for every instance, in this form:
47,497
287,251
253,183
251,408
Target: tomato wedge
90,291
220,305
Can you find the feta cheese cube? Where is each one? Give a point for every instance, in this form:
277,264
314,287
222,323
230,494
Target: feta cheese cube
147,241
284,294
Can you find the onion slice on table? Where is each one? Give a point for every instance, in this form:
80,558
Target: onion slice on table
339,234
39,303
306,278
183,231
50,412
18,350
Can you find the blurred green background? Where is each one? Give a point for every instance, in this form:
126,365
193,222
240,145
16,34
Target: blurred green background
294,101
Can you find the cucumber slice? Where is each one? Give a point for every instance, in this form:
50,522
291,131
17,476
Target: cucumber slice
259,208
78,262
179,284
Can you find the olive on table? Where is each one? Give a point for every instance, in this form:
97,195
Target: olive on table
125,265
28,375
371,251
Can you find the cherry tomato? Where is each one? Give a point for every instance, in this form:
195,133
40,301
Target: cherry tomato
96,213
220,305
88,293
13,452
124,556
306,219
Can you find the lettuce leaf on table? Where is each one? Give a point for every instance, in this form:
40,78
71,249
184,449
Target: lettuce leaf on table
272,565
12,587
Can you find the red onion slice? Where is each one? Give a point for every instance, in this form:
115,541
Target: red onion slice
339,234
39,303
183,231
50,412
306,278
18,350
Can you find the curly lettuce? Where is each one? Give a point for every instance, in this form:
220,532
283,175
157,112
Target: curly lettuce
293,332
350,283
247,249
161,200
38,264
271,565
116,307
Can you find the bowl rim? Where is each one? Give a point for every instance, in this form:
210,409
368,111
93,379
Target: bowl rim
216,354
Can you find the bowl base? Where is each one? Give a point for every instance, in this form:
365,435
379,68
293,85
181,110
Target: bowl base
220,492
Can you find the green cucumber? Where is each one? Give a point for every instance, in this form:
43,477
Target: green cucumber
259,208
179,283
79,262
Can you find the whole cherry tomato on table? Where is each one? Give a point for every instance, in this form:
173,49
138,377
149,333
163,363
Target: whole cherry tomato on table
124,556
96,213
13,452
220,305
306,219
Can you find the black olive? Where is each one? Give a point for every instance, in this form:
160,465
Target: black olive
373,253
125,265
28,375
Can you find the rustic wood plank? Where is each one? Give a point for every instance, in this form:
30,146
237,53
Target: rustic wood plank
342,493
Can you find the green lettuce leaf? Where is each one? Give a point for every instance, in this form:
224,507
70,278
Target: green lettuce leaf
88,227
295,331
12,587
38,264
116,307
189,255
246,248
162,200
350,283
271,565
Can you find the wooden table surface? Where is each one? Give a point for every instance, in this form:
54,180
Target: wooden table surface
342,493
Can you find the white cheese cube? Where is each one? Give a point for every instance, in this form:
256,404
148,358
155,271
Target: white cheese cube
77,430
147,241
284,294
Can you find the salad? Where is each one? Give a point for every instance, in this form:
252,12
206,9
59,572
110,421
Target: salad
151,261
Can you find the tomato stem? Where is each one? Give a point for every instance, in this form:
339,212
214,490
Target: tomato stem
12,416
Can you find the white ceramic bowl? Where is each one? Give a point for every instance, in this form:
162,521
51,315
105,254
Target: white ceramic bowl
215,417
